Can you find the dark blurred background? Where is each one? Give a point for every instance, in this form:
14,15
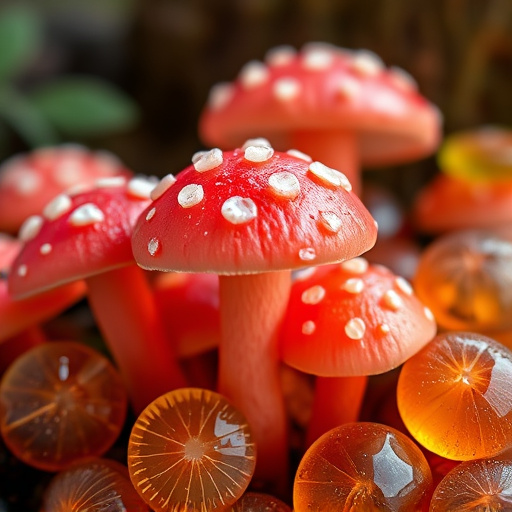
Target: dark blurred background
164,55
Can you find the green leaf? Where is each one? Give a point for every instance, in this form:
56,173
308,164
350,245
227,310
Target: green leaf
20,38
82,107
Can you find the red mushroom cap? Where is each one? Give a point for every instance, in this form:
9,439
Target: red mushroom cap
448,204
79,235
251,210
29,181
18,315
353,319
320,88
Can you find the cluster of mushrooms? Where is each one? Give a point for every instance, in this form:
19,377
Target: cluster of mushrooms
274,211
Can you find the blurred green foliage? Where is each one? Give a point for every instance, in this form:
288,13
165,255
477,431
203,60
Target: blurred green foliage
49,112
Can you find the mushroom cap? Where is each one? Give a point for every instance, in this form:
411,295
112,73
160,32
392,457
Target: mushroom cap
29,181
17,315
324,88
79,235
229,214
449,203
353,319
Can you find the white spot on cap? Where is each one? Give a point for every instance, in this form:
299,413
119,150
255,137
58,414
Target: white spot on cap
317,59
404,285
22,270
140,187
30,228
210,160
353,285
111,181
330,221
86,214
253,74
258,141
25,181
329,176
307,254
355,329
366,63
162,186
258,153
69,170
284,184
355,265
220,95
384,328
299,154
313,295
239,210
190,195
280,55
197,155
106,162
428,313
153,246
308,327
286,89
151,214
304,273
392,300
348,88
57,207
45,249
402,79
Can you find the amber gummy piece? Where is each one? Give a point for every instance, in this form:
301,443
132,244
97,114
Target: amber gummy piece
483,485
362,467
96,485
455,396
191,450
259,502
465,278
61,402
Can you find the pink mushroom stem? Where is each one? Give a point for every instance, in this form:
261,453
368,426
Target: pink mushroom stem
126,313
337,401
335,148
252,309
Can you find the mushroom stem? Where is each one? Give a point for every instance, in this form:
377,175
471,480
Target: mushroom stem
126,313
335,148
252,308
337,401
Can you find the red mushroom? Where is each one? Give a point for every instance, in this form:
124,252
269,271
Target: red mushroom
251,215
19,319
342,107
87,236
347,322
29,181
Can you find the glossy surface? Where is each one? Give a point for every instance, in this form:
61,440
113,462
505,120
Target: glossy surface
465,278
481,154
475,486
362,467
97,485
455,396
60,402
190,450
259,502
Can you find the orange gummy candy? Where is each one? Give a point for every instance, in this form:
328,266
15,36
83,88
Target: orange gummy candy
96,485
259,502
363,466
61,402
455,396
191,450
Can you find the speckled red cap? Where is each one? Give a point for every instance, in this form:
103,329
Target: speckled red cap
324,87
353,319
252,210
79,235
29,181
